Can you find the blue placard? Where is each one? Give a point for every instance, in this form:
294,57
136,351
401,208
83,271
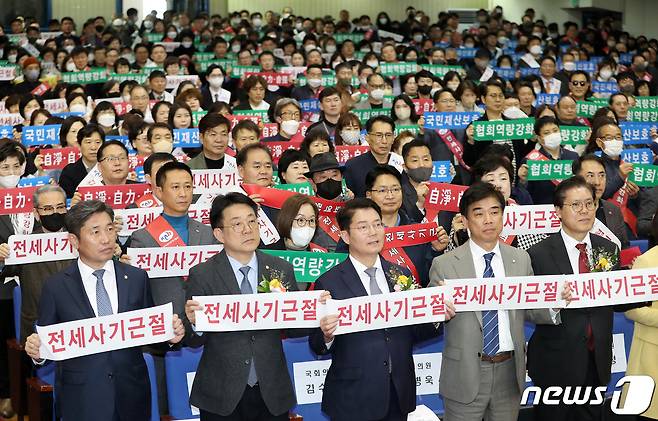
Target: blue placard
441,172
69,114
186,138
550,99
442,44
527,71
310,105
604,87
625,58
596,59
466,52
637,156
456,120
40,135
33,181
122,139
512,44
140,174
506,73
586,66
637,133
7,131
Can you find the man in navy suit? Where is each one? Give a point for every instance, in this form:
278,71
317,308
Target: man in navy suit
372,373
108,386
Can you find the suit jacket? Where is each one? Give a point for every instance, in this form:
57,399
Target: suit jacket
71,176
94,386
558,355
357,385
462,351
198,162
648,205
224,367
356,170
614,220
172,289
6,230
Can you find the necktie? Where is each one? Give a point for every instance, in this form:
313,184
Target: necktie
583,267
374,288
490,338
216,97
103,304
245,288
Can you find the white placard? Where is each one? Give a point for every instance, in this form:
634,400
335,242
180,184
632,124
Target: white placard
619,359
216,182
174,80
34,248
166,262
268,232
428,367
130,329
308,377
261,311
57,105
11,119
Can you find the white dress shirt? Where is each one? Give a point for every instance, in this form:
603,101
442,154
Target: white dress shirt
556,84
504,333
109,281
380,276
252,275
572,251
221,95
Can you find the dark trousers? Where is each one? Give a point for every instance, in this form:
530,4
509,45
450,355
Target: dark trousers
563,412
250,408
394,411
6,332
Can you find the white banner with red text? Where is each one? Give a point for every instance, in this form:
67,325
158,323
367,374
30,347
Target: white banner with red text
166,262
35,248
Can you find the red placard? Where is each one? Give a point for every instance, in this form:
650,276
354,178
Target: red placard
423,105
273,78
118,197
443,196
411,235
56,159
277,148
346,152
235,119
17,200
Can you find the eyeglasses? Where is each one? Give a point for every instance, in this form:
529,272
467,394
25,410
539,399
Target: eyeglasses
578,206
380,136
447,101
289,114
363,228
302,222
113,159
238,227
612,138
579,82
49,210
386,190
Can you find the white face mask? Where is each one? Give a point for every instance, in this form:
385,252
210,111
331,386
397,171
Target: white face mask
314,83
290,126
186,44
172,34
235,48
309,47
403,113
350,137
553,140
373,63
613,148
535,50
9,181
106,120
605,74
126,98
301,237
163,146
536,89
216,82
12,58
418,38
377,94
148,24
569,66
331,48
453,86
77,108
257,22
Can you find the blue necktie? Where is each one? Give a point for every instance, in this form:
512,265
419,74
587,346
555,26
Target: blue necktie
374,287
103,303
490,339
245,288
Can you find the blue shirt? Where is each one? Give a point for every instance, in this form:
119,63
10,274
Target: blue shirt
181,225
252,276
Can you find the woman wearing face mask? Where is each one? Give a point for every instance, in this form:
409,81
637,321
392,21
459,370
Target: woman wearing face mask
106,117
296,223
186,47
403,111
348,131
214,92
452,80
77,103
606,137
548,135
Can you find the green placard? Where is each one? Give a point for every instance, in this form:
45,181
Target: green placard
413,129
644,175
549,170
238,71
196,116
149,69
646,102
365,115
327,80
224,62
260,113
86,77
137,77
356,37
646,115
397,69
440,69
199,57
522,128
151,37
574,135
301,188
309,265
587,108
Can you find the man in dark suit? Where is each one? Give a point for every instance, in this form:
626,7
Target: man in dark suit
372,373
112,385
90,138
242,375
577,352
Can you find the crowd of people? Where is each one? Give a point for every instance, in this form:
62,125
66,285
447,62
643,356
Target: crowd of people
336,110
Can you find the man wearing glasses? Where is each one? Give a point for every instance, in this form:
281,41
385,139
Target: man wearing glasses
372,374
288,115
380,139
114,164
577,352
242,375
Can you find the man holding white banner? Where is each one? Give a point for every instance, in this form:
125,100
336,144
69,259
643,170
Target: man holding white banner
483,365
372,372
578,352
111,385
242,375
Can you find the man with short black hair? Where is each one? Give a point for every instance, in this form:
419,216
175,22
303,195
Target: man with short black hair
331,105
213,132
158,84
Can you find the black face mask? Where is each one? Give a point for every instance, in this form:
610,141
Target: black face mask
329,189
99,28
54,222
424,89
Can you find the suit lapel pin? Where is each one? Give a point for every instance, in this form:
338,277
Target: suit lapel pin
125,276
513,260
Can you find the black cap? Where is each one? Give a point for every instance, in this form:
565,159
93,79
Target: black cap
322,162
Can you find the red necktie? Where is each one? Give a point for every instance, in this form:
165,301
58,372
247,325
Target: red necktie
583,267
